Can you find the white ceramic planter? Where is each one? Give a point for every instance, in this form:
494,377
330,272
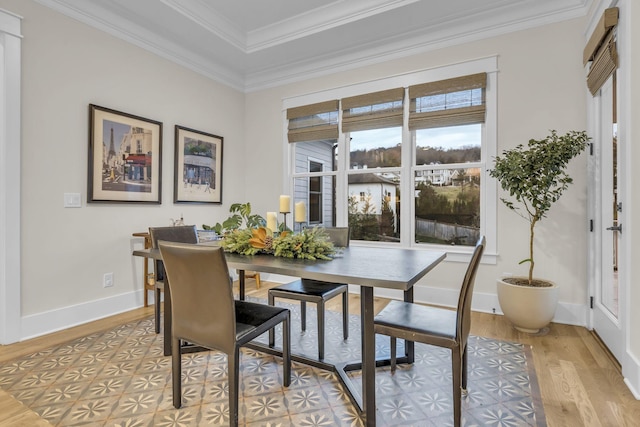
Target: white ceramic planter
528,308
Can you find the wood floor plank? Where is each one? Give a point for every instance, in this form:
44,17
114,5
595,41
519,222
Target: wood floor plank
579,395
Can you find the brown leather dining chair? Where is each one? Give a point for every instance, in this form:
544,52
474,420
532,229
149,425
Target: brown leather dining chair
205,313
182,234
318,292
436,326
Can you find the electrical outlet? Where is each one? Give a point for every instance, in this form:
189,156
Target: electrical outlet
107,280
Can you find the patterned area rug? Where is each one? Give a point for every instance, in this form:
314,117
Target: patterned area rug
120,378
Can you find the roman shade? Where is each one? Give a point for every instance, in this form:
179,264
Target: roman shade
373,110
313,122
451,102
601,51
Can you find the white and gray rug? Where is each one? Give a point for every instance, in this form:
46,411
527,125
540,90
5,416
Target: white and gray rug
120,378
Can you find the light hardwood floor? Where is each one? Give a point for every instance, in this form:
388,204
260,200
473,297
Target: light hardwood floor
579,382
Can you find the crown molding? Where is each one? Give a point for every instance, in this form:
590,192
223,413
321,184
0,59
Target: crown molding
315,21
202,14
446,36
477,24
147,40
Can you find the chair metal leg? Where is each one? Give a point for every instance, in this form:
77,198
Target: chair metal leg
456,367
345,315
464,371
176,372
321,330
286,351
272,336
303,315
157,309
392,345
233,367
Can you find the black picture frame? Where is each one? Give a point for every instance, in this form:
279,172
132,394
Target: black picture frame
197,167
125,157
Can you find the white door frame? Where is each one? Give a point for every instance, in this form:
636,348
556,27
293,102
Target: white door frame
624,187
10,142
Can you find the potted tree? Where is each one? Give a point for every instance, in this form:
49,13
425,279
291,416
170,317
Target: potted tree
535,177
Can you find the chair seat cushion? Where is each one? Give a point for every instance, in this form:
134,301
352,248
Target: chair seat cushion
311,287
250,315
433,321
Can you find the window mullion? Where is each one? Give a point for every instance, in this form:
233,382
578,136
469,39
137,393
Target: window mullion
407,209
342,186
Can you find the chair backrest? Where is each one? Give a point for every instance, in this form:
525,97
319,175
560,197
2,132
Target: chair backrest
202,304
180,233
466,293
339,236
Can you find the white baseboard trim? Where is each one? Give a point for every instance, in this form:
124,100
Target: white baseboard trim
39,324
570,314
55,320
631,374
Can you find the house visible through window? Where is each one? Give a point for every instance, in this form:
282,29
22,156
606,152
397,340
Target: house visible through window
407,163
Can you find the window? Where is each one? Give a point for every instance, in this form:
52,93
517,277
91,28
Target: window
409,164
313,134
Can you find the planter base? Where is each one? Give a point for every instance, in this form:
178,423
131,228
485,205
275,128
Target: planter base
529,309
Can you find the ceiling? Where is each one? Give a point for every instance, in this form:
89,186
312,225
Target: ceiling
256,44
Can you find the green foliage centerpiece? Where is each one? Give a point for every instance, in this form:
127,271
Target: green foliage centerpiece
311,243
255,238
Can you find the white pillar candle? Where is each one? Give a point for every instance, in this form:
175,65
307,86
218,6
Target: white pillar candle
272,221
301,212
285,204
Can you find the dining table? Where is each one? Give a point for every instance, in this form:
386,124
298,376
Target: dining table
365,266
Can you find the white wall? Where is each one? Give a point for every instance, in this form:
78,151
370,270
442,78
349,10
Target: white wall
66,66
540,87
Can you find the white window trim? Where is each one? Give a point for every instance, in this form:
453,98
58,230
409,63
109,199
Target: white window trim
488,197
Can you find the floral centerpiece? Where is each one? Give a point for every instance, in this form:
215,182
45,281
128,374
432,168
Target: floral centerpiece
312,243
255,238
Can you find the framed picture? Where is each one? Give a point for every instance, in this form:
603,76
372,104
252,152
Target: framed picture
125,157
198,167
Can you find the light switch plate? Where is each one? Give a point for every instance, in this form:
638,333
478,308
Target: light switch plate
72,200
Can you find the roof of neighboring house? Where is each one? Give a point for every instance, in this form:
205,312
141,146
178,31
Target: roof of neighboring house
369,178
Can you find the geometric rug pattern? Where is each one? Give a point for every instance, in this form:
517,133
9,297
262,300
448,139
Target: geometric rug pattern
119,377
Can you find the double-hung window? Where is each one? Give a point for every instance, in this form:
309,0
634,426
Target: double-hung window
313,135
405,165
372,124
446,119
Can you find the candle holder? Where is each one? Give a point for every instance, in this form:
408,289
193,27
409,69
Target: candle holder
284,214
300,225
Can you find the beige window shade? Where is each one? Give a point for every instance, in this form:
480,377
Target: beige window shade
450,102
601,51
373,110
603,65
313,122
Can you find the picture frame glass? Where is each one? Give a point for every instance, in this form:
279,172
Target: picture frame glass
198,167
124,157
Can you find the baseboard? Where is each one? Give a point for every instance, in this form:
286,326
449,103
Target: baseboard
55,320
47,322
631,374
570,314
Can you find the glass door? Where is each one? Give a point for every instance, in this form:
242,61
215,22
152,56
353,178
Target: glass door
606,307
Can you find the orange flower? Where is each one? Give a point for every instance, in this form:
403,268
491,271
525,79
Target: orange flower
262,238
